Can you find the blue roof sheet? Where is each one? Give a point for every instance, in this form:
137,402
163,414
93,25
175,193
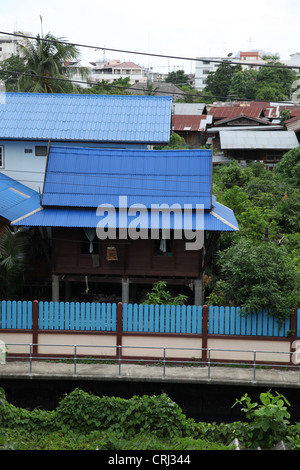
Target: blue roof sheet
89,177
219,218
90,118
16,200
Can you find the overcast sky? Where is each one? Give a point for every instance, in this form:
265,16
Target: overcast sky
196,28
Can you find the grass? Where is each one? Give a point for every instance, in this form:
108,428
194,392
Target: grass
12,439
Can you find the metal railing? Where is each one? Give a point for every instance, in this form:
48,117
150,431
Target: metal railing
289,370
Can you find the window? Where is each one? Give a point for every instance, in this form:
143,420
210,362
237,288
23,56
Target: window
273,155
27,150
41,151
1,156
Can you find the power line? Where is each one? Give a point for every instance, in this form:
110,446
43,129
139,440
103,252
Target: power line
199,59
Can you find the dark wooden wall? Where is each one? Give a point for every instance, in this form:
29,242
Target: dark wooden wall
135,257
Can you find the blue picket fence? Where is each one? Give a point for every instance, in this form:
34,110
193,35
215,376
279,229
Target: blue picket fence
16,314
84,316
162,318
77,316
232,321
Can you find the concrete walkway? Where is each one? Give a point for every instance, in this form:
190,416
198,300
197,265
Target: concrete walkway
193,374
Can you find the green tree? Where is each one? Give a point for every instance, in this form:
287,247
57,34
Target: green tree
243,84
218,83
287,213
258,275
289,167
278,78
178,78
175,143
270,92
118,87
46,58
10,70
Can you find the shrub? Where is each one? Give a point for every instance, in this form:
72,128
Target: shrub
157,414
269,419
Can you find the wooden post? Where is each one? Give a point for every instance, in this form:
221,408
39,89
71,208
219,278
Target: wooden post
204,331
293,328
119,328
35,327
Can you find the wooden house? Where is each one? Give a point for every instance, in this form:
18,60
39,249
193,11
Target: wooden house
128,217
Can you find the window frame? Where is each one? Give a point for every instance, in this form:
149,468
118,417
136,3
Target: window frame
2,161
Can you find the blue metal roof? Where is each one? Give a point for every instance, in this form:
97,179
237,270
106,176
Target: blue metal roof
16,199
89,177
219,218
90,118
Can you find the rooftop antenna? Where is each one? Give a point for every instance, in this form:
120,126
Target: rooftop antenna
250,43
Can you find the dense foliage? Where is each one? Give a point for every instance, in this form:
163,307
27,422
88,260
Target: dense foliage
230,81
259,266
83,421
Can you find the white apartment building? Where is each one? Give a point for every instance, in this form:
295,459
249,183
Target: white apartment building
203,68
207,65
108,71
9,45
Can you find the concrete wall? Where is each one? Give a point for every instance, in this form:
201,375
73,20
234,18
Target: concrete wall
29,169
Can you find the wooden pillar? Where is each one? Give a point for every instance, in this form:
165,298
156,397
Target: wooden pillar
293,336
204,331
125,290
119,329
198,292
35,327
55,288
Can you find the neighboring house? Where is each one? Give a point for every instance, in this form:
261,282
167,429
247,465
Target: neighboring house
190,121
249,132
274,112
237,123
192,128
293,125
189,109
95,72
127,218
249,109
115,69
28,121
267,146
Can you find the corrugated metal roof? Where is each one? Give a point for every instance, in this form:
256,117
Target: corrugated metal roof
250,109
16,199
189,109
88,177
280,140
100,118
220,218
189,123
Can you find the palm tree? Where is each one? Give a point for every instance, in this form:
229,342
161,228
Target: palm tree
46,57
13,261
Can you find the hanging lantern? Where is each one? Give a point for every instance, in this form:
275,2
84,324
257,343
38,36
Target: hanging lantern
111,253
